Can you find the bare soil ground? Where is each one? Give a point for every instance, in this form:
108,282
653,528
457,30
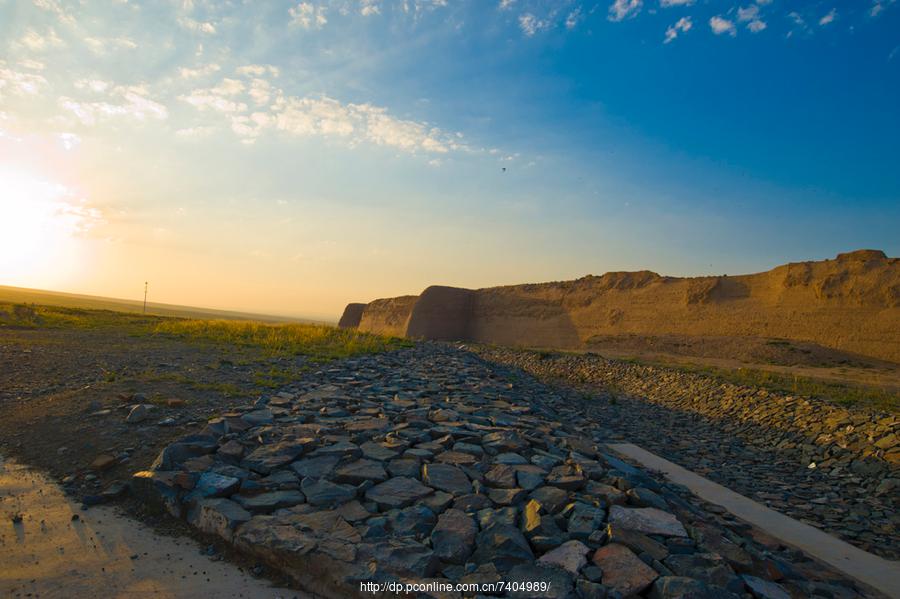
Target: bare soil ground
65,394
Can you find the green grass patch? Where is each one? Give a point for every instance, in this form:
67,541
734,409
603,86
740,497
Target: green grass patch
34,316
318,342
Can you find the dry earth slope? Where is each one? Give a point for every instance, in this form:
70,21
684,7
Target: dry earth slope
850,303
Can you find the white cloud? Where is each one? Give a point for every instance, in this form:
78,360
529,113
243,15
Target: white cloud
721,25
670,3
202,101
750,15
201,71
258,70
130,101
308,16
829,17
190,24
194,132
95,85
69,141
756,25
102,46
260,91
573,18
19,83
35,41
505,4
879,6
623,9
53,6
683,25
32,65
369,7
530,24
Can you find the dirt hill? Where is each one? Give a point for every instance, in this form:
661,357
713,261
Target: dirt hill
850,303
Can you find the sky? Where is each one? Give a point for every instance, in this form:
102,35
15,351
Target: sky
290,157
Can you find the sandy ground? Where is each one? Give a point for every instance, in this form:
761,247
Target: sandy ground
49,554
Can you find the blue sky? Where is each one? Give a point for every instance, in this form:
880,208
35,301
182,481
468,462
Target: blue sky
293,156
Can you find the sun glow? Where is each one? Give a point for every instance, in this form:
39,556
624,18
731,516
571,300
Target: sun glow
40,221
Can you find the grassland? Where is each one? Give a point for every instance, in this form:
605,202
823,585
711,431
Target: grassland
315,342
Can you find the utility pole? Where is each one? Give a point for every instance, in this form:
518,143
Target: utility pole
145,296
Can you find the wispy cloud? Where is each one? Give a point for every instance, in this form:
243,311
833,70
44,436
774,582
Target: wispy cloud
683,25
670,3
104,45
19,83
190,24
623,9
750,15
829,17
530,24
308,15
369,7
197,72
54,7
320,116
721,25
33,40
132,101
573,18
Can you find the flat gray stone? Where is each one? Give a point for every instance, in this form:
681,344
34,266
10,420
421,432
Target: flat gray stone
453,538
570,556
446,478
397,492
648,520
360,471
266,503
321,492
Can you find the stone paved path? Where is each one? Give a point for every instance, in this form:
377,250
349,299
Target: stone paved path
429,464
649,406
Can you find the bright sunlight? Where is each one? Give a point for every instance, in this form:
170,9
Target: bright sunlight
38,221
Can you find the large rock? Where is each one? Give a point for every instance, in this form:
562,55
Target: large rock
636,541
324,493
266,503
708,567
570,556
453,538
648,520
211,484
623,571
502,545
583,520
159,490
397,492
446,478
266,458
218,516
315,467
413,521
402,557
360,471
